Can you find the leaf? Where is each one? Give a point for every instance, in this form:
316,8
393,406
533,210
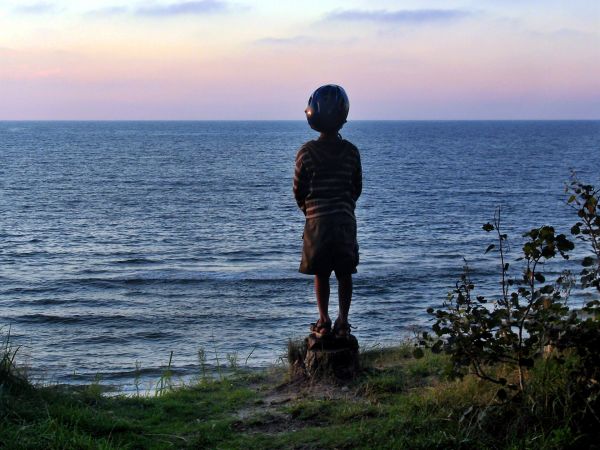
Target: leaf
490,247
587,261
539,277
418,353
488,227
546,232
527,362
501,394
563,243
548,289
548,251
572,198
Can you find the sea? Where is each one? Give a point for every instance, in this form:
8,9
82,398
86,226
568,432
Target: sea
126,245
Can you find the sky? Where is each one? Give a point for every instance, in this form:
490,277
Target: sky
259,60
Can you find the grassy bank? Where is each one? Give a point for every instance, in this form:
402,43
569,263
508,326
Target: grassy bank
397,402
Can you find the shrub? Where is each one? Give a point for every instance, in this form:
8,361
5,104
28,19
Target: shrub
531,318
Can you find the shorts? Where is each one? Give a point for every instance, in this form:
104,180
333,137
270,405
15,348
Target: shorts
329,245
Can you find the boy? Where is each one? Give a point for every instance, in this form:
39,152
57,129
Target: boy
327,183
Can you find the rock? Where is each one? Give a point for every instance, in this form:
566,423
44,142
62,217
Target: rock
326,357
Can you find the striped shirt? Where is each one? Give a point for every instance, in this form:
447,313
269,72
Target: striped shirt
328,178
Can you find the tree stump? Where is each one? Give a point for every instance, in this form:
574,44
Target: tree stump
325,357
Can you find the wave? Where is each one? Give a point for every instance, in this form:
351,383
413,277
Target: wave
27,254
145,373
105,339
133,261
46,289
49,301
153,335
183,277
373,281
91,319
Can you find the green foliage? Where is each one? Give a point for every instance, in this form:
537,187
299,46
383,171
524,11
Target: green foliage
530,318
511,330
62,417
165,382
399,402
584,199
232,359
202,362
11,376
137,380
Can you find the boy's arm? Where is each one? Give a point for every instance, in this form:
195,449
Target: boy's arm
300,184
357,178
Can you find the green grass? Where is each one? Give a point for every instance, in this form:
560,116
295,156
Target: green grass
55,417
398,402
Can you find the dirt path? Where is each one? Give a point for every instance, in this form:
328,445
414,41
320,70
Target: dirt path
270,414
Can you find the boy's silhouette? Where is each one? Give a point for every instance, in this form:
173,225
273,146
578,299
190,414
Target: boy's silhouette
327,183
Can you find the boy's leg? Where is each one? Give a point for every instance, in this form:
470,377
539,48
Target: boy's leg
322,291
345,296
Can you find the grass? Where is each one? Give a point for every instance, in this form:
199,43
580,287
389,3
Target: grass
397,402
52,417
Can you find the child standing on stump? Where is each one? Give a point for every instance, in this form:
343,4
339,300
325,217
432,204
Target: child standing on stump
327,183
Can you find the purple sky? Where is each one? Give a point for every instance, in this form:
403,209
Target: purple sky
211,59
